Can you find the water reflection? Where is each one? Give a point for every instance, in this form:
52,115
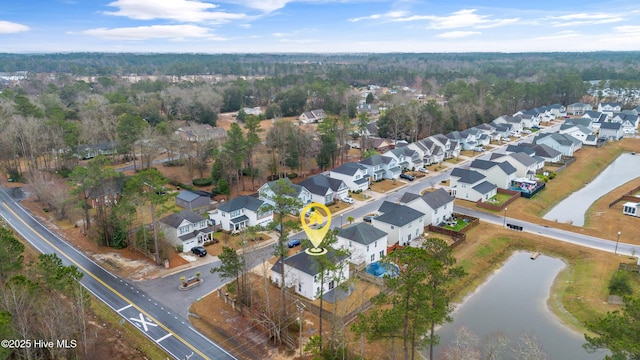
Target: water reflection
513,302
572,209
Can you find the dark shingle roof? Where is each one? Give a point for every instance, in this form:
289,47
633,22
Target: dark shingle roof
349,168
523,158
306,263
241,202
484,187
610,126
438,198
361,233
174,220
467,176
398,215
187,195
408,197
320,184
376,160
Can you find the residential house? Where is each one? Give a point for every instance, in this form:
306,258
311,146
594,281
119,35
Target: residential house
108,193
400,222
467,139
313,116
585,121
566,144
576,131
304,273
325,190
381,145
499,174
252,110
629,122
241,212
609,108
594,116
503,130
406,157
365,243
201,133
611,131
89,151
471,185
354,175
267,192
517,123
557,110
631,208
437,206
431,151
186,229
525,165
192,200
451,148
578,108
381,167
489,130
547,153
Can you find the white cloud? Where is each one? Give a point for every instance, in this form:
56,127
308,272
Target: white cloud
178,10
628,29
385,16
579,19
265,5
560,36
173,32
7,27
458,34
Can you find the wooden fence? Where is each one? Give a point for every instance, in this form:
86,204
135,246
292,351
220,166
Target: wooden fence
514,196
627,197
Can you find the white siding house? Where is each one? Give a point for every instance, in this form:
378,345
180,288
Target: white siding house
186,229
353,175
365,243
400,222
241,212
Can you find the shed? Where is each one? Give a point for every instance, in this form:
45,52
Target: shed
192,200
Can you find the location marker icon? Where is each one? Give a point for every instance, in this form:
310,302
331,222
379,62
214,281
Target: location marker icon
316,225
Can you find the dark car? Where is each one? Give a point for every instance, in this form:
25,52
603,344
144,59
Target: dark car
199,251
293,243
367,218
406,177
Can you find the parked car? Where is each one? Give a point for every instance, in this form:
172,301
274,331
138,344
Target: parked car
199,251
406,177
367,218
348,200
478,149
423,170
536,127
293,243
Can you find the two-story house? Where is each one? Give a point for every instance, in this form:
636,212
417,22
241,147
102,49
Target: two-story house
325,190
525,164
365,243
566,144
187,229
354,175
400,222
611,131
578,108
240,213
629,122
381,167
545,152
304,273
471,185
577,131
284,187
406,157
609,108
499,174
313,116
436,205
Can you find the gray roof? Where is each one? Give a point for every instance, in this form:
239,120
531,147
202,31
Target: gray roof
437,199
297,188
349,168
241,202
506,167
586,122
361,233
174,220
467,176
408,197
523,158
519,148
187,195
306,263
376,160
484,187
610,126
320,184
396,214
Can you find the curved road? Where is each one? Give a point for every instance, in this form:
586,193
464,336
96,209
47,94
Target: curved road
171,331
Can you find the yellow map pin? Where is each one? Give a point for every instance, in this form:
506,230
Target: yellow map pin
316,226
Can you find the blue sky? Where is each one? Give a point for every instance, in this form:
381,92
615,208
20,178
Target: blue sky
334,26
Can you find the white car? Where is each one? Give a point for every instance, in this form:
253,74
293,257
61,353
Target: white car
348,200
423,170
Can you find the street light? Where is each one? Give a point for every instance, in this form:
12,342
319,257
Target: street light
504,222
341,220
617,240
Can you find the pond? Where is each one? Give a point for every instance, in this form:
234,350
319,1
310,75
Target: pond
514,302
572,209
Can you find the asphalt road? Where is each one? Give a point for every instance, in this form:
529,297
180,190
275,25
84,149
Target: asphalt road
170,330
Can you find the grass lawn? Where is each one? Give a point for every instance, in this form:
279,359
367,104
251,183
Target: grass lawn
499,199
437,167
363,196
460,224
454,160
385,185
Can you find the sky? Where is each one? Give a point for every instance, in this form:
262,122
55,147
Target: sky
318,26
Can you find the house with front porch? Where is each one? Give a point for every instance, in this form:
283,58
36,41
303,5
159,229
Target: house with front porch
437,206
241,212
365,243
578,108
284,187
304,273
499,174
381,167
325,190
466,139
354,175
406,157
451,147
186,229
517,123
400,222
629,122
430,151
